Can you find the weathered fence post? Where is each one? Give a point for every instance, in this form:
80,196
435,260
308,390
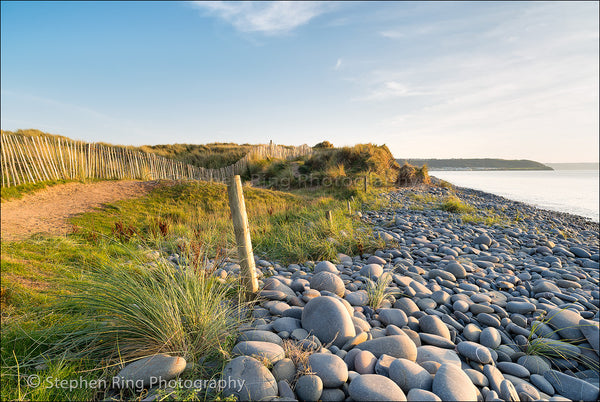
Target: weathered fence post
349,207
242,233
365,183
329,216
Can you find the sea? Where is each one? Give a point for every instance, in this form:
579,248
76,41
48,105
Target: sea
564,190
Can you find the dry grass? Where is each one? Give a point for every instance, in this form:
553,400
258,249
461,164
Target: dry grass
299,357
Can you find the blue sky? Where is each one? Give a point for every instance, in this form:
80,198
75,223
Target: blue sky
429,79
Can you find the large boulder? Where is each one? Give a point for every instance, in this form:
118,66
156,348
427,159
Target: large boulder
328,319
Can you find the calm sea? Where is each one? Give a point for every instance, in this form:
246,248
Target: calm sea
572,191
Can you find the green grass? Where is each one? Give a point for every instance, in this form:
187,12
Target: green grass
339,170
378,290
111,307
214,156
84,302
547,347
454,204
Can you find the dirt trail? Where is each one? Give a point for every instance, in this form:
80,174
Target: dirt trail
48,210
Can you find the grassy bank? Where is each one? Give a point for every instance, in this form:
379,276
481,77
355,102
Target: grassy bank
59,293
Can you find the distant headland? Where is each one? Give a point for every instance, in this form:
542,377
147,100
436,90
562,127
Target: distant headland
477,164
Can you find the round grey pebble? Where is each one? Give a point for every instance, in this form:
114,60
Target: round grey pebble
332,395
375,387
330,368
409,375
420,395
309,388
490,337
513,369
474,351
452,384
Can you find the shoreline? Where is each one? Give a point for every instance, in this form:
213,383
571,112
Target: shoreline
567,215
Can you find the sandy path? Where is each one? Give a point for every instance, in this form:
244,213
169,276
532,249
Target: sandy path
47,210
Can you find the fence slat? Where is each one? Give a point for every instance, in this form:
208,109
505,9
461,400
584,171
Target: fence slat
31,159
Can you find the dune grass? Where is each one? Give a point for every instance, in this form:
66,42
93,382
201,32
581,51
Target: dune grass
378,290
82,304
543,345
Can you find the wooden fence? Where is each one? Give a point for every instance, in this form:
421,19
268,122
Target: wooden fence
30,159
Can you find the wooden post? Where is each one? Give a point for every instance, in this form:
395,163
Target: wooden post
329,216
242,233
349,207
365,183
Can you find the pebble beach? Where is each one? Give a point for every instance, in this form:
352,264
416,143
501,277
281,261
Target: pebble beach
467,311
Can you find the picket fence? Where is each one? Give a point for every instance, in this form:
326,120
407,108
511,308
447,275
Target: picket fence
33,159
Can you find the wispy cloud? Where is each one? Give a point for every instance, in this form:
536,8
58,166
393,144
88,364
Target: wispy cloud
270,18
517,81
392,34
390,90
338,64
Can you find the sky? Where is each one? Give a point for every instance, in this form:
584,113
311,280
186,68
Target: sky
513,80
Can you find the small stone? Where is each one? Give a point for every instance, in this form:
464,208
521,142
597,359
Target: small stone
144,370
457,270
393,316
528,390
490,337
474,351
330,368
472,332
477,378
285,391
435,354
287,324
257,382
508,391
520,307
258,335
327,281
572,387
436,340
358,298
328,319
513,369
309,388
260,350
364,362
332,395
542,384
534,364
326,266
452,384
434,325
420,395
374,387
566,322
393,345
284,370
409,375
372,271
